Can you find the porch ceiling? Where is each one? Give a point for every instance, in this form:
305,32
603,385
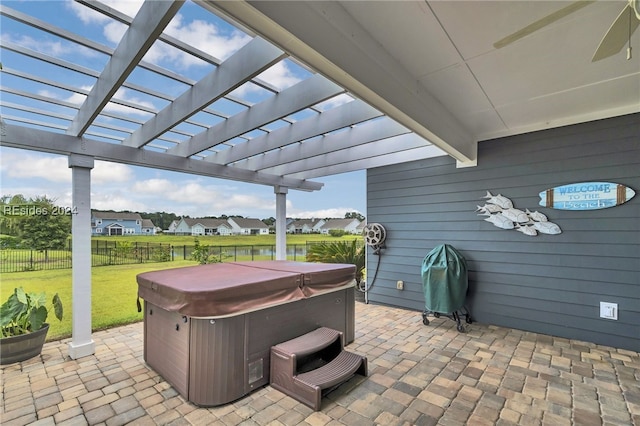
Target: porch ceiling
369,83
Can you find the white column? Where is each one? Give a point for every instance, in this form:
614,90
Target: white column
281,222
81,342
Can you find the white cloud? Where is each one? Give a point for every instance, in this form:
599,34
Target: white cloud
193,197
202,35
116,200
197,33
56,168
27,166
105,172
55,48
90,16
153,186
280,76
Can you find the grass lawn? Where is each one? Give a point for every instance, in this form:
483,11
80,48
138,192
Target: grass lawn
114,288
113,296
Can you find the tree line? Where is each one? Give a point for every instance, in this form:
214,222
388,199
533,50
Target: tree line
39,223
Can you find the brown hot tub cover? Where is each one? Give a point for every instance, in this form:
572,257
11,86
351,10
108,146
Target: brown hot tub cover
222,289
317,277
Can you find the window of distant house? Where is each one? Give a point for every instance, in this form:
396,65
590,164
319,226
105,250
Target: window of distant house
99,221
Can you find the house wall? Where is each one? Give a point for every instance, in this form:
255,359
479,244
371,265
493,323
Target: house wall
551,284
197,229
183,228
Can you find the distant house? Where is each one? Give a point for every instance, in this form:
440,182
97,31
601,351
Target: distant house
119,223
148,228
305,226
172,227
246,226
347,225
202,226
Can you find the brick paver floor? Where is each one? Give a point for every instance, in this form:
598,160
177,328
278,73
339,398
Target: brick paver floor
418,375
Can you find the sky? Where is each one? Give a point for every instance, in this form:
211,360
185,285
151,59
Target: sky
124,187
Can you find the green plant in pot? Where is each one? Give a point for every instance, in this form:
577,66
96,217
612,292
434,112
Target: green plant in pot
23,326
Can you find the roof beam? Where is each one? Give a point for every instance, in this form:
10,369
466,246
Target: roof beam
39,140
328,121
326,37
249,61
295,98
148,24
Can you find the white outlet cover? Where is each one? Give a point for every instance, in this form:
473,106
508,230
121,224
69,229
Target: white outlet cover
609,310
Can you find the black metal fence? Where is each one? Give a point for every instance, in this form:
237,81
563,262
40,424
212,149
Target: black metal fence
129,252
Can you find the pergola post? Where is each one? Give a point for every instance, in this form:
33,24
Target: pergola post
281,222
81,343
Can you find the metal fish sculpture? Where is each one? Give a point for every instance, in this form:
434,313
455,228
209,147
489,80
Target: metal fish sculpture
500,221
489,208
549,228
499,200
537,216
527,230
515,215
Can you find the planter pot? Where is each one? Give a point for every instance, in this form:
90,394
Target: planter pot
22,347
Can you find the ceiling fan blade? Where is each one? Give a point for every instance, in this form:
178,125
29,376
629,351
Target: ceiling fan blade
617,35
540,23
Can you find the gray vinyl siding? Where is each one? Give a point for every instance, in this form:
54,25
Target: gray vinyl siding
550,284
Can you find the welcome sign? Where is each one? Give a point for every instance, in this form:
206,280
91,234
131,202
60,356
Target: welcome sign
586,196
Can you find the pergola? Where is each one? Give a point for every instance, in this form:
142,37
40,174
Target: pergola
377,83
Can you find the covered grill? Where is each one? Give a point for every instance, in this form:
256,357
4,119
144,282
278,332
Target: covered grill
445,284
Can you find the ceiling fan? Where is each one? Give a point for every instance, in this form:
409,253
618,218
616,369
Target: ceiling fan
613,41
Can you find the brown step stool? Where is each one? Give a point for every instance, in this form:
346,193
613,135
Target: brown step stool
306,366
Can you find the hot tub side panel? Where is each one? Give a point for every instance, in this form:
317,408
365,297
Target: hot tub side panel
218,371
167,345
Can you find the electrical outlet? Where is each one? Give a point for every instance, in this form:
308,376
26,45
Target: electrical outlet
400,285
609,310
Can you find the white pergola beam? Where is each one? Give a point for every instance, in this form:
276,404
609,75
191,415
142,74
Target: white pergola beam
326,169
328,121
39,140
325,36
335,154
148,24
295,98
345,141
249,61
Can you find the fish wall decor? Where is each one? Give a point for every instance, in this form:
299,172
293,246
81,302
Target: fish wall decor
500,212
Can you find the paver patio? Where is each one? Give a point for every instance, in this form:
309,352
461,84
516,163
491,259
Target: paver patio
418,375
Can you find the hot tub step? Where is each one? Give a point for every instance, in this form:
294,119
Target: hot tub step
311,342
305,366
345,365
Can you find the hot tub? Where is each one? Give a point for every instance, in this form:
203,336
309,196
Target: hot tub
208,329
